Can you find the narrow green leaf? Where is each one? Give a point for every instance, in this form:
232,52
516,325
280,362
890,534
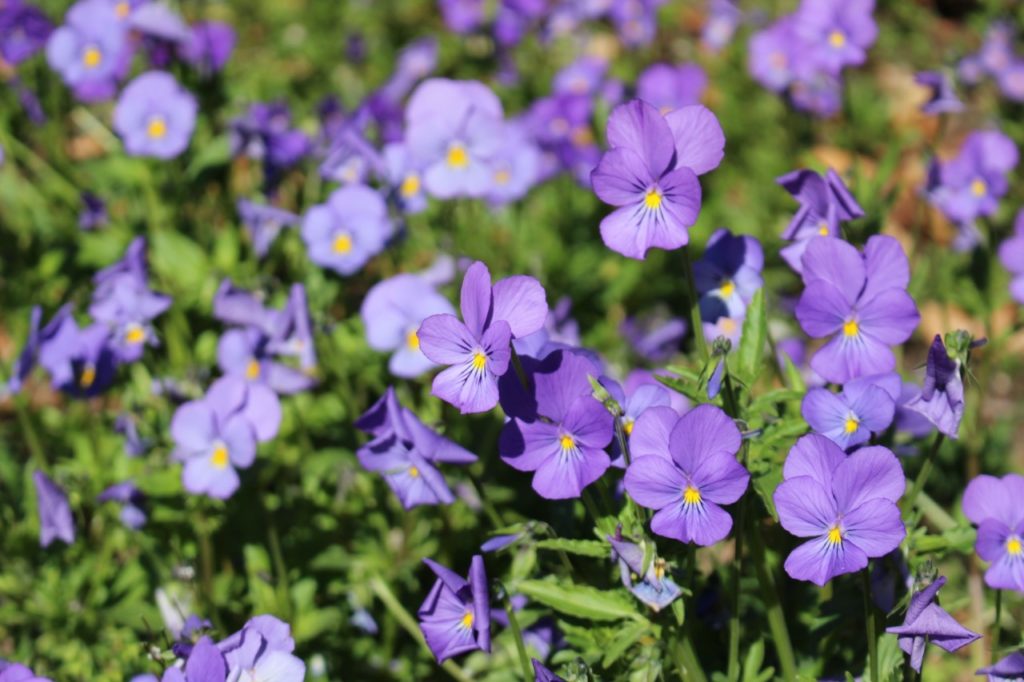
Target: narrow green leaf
590,548
755,334
627,637
581,601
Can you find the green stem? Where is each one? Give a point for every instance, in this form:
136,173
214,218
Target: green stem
687,662
934,513
524,659
995,626
733,671
517,364
395,608
694,302
773,609
588,502
687,655
869,623
922,476
31,437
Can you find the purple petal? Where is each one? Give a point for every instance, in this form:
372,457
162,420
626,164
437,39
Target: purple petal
639,126
806,509
704,523
875,527
520,301
848,357
476,299
814,456
564,477
836,262
653,482
527,445
699,140
822,309
703,433
871,473
445,340
621,177
886,266
651,432
890,317
819,561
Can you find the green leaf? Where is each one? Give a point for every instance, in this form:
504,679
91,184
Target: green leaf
180,263
581,601
627,637
215,153
590,548
755,334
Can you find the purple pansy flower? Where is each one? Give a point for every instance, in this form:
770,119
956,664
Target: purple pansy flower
723,18
392,313
1011,255
824,203
89,51
656,588
55,521
730,267
131,500
941,399
346,231
127,306
16,672
650,174
244,355
668,87
455,617
1007,669
259,658
865,406
845,504
773,55
209,46
93,213
515,166
263,223
583,77
634,401
24,30
212,436
942,97
291,330
558,430
155,116
970,185
993,504
404,177
839,32
80,361
462,16
925,622
685,468
477,348
860,301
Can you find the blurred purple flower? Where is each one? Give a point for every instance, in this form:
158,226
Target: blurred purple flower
264,222
1009,668
16,672
244,354
134,444
462,16
347,230
582,77
838,31
291,330
209,46
55,521
824,203
723,18
131,500
1011,255
455,617
515,167
942,97
26,361
24,30
970,184
404,177
654,336
668,87
90,51
93,213
993,504
925,622
80,361
257,658
155,116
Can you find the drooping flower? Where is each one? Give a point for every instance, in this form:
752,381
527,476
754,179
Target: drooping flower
542,674
291,330
131,500
557,429
392,313
865,406
969,185
860,301
993,504
346,231
405,451
941,399
668,87
1007,669
685,468
925,622
455,617
838,31
942,97
1011,255
846,505
825,202
477,348
55,520
264,222
650,175
655,588
93,213
27,357
209,46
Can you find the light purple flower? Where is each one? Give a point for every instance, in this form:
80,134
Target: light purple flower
824,203
656,588
256,658
865,406
1009,669
839,31
55,520
131,500
668,87
90,51
455,617
264,222
650,175
515,167
346,231
860,301
941,399
970,185
723,18
477,348
942,97
925,622
404,177
993,504
1011,255
583,77
773,55
685,468
209,46
244,354
845,505
155,116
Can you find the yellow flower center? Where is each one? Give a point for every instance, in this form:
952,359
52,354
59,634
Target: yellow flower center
122,9
852,423
252,370
501,177
823,228
92,57
728,325
851,328
410,186
837,39
835,536
627,426
479,361
342,244
134,334
567,442
727,288
467,620
660,568
691,495
88,375
653,199
979,188
414,472
1013,546
582,136
412,340
457,156
157,127
220,456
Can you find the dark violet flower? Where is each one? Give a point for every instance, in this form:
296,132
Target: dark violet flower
131,499
209,46
970,185
865,406
346,231
80,361
669,87
212,436
685,468
55,521
155,116
650,175
263,223
730,267
90,51
453,129
838,32
1011,255
925,622
455,617
845,504
942,97
860,301
257,658
392,313
993,504
265,133
1007,669
405,451
24,29
824,203
134,444
941,399
26,361
542,674
477,348
558,430
93,213
405,179
656,588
